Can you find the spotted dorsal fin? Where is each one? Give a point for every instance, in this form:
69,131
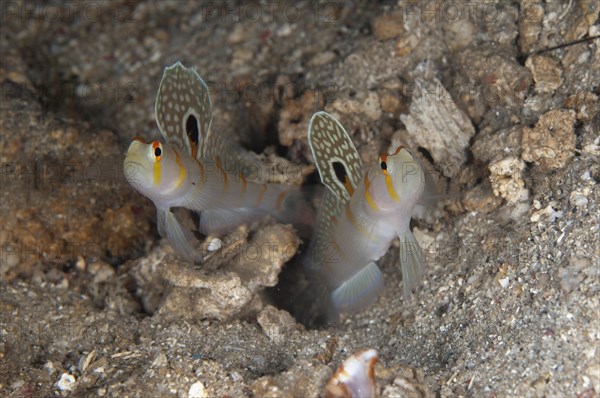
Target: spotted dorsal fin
184,112
337,160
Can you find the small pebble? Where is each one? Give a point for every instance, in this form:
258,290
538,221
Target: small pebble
578,198
197,390
66,382
387,26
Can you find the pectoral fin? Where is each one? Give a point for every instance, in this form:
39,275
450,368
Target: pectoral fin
359,291
178,237
411,261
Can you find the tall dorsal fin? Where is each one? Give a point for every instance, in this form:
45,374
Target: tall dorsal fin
184,112
337,160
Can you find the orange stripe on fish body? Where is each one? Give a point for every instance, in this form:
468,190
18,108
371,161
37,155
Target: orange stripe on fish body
280,199
202,170
355,223
182,171
244,187
223,173
261,195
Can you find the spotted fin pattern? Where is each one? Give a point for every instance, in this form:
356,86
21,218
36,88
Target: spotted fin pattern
337,160
184,112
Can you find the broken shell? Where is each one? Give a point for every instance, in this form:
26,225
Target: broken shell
214,245
355,377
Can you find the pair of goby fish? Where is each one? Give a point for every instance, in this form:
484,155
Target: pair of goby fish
361,212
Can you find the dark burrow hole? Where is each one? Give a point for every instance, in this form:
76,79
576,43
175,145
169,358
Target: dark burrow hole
257,123
297,294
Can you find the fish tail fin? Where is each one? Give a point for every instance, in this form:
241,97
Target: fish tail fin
179,238
220,221
412,262
359,291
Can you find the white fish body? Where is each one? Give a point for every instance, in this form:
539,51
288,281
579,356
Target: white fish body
361,215
198,169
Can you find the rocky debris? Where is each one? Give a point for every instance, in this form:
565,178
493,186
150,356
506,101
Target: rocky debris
46,224
490,77
438,125
593,377
58,191
304,379
279,170
388,26
458,34
546,72
197,295
224,289
538,23
294,117
390,101
579,198
231,246
481,198
277,324
547,215
406,44
551,142
506,176
531,16
494,145
367,104
404,382
586,104
373,75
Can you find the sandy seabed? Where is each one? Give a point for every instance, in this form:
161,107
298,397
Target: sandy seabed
497,97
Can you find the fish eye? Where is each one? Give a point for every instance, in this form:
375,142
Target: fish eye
383,164
157,149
